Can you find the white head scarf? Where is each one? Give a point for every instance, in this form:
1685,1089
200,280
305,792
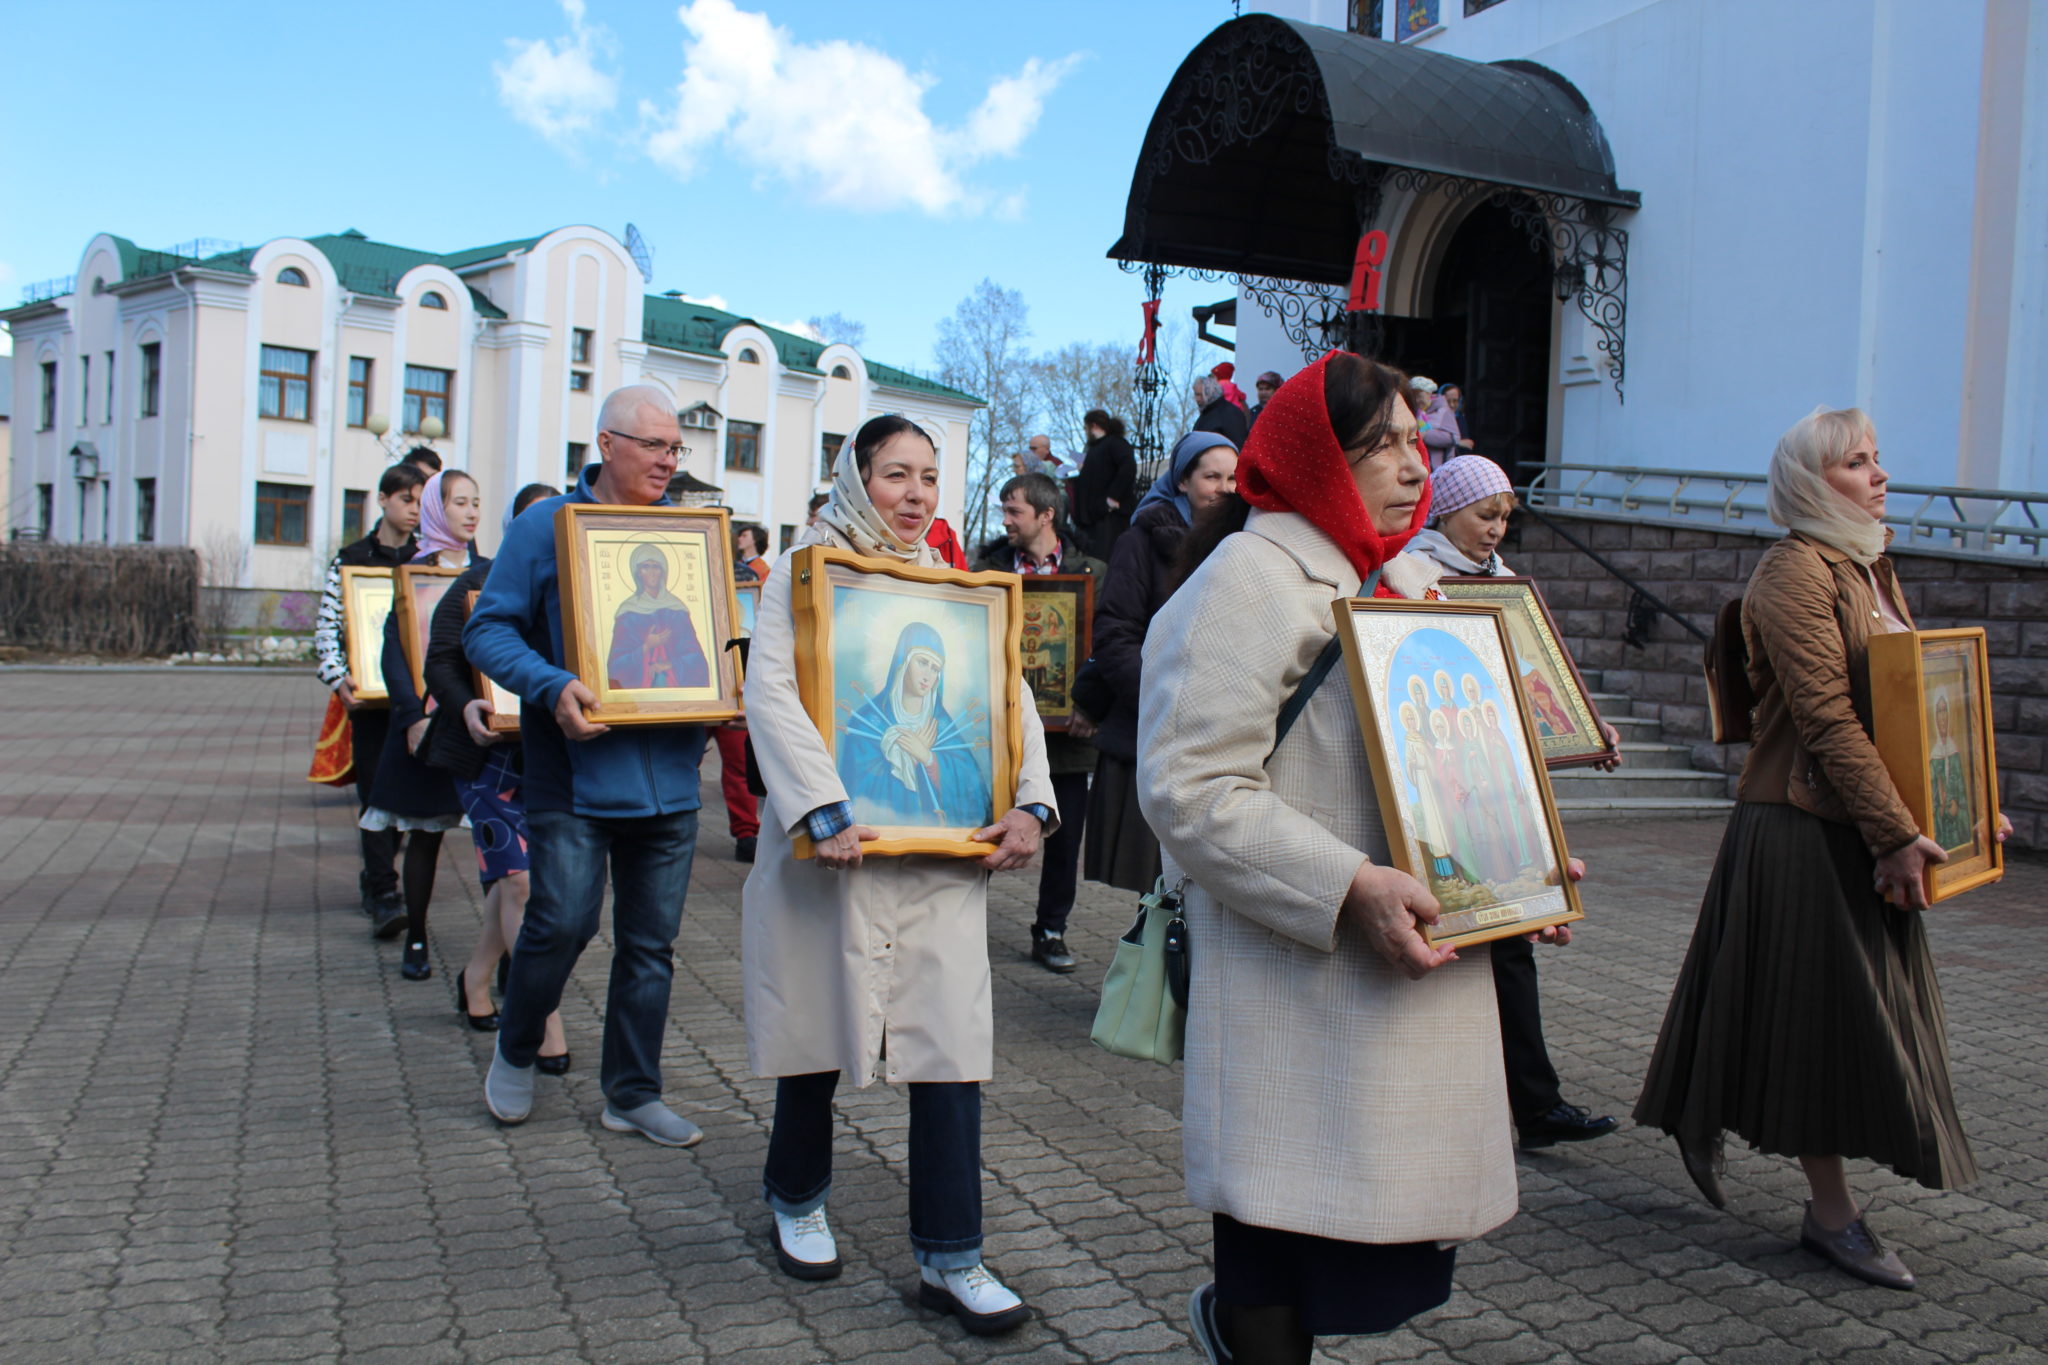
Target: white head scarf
1800,497
850,512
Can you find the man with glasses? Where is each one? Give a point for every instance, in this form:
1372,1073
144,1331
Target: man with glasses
594,796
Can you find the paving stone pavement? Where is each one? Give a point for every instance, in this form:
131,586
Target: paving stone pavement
229,1130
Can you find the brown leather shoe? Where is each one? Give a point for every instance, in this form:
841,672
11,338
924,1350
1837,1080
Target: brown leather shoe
1857,1250
1704,1164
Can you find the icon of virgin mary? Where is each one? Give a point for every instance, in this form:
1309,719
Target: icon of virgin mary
903,758
654,643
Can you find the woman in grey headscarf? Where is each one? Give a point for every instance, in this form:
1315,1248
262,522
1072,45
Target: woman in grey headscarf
1807,1018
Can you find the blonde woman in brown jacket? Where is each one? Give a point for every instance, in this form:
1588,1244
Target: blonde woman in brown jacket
1807,1018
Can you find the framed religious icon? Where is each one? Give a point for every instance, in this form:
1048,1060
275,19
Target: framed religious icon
1568,726
647,606
504,704
1460,773
419,589
913,677
366,596
1930,705
1058,636
748,596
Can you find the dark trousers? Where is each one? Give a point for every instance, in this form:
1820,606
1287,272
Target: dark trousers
1532,1081
945,1162
1060,875
367,730
650,872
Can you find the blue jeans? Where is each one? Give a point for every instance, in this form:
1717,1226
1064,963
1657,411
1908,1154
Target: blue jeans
945,1162
650,860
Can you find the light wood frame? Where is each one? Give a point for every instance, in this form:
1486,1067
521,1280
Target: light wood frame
504,702
818,569
585,638
1078,591
748,596
1521,598
367,598
1479,629
416,616
1905,736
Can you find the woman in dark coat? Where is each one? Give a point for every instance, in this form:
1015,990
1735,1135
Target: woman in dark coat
1807,1018
487,772
1107,485
1120,848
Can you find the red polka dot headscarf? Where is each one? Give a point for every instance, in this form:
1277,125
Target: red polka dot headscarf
1294,462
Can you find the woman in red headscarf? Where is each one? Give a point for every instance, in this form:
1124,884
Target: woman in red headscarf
1344,1116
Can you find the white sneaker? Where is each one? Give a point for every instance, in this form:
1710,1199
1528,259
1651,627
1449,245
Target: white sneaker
974,1296
804,1247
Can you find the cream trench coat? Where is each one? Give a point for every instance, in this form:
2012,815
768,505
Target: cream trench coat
880,971
1326,1093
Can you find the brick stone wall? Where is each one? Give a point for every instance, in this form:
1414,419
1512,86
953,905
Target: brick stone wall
1695,571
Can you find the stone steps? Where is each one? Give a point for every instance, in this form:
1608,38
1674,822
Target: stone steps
1656,780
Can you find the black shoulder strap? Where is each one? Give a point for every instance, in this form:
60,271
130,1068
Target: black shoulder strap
1310,681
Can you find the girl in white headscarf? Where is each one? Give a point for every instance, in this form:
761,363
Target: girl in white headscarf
1807,1018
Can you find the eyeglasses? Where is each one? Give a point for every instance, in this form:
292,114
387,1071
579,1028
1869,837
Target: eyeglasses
649,444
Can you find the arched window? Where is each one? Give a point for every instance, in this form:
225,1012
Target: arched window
749,356
291,274
432,299
841,372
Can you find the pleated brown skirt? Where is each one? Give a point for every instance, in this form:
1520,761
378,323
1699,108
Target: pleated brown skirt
1806,1018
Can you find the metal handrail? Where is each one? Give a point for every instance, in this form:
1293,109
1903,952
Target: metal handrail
1984,521
1644,606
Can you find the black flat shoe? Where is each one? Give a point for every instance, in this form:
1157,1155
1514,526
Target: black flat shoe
552,1066
1566,1123
1704,1164
482,1023
415,965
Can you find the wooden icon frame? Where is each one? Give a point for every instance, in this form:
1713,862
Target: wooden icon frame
827,585
1905,697
368,597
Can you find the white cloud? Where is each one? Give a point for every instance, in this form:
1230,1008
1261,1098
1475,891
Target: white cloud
801,329
709,301
842,122
556,88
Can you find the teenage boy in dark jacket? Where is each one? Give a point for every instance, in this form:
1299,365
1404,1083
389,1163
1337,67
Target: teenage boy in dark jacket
593,795
1032,544
389,544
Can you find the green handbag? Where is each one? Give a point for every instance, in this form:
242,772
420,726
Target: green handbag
1144,1009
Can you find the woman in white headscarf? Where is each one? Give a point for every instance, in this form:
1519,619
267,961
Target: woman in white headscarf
1807,1018
876,966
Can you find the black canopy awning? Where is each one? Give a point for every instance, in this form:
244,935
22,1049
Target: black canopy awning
1273,138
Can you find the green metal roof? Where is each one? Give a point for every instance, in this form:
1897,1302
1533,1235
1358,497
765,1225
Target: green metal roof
375,268
699,329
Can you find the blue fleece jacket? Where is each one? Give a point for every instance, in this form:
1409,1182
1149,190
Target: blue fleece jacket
515,637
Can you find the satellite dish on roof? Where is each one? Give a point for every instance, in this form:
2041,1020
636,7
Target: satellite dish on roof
643,256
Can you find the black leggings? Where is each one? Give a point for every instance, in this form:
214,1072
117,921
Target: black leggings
422,855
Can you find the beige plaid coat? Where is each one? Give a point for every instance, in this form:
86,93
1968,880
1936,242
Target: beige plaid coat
1325,1092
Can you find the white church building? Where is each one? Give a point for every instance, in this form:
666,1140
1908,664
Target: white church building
1644,233
245,401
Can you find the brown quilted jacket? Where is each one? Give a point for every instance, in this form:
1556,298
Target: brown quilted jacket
1807,617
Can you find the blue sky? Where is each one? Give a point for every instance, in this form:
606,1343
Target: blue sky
993,140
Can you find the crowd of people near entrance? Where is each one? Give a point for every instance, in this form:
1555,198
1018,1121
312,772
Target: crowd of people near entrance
1342,1163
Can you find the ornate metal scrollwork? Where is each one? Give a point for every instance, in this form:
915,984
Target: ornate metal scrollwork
1244,85
1588,254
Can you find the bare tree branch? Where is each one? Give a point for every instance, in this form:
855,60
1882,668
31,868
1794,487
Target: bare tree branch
981,349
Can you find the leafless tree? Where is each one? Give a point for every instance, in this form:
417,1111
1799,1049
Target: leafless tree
1077,377
223,560
839,329
981,348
